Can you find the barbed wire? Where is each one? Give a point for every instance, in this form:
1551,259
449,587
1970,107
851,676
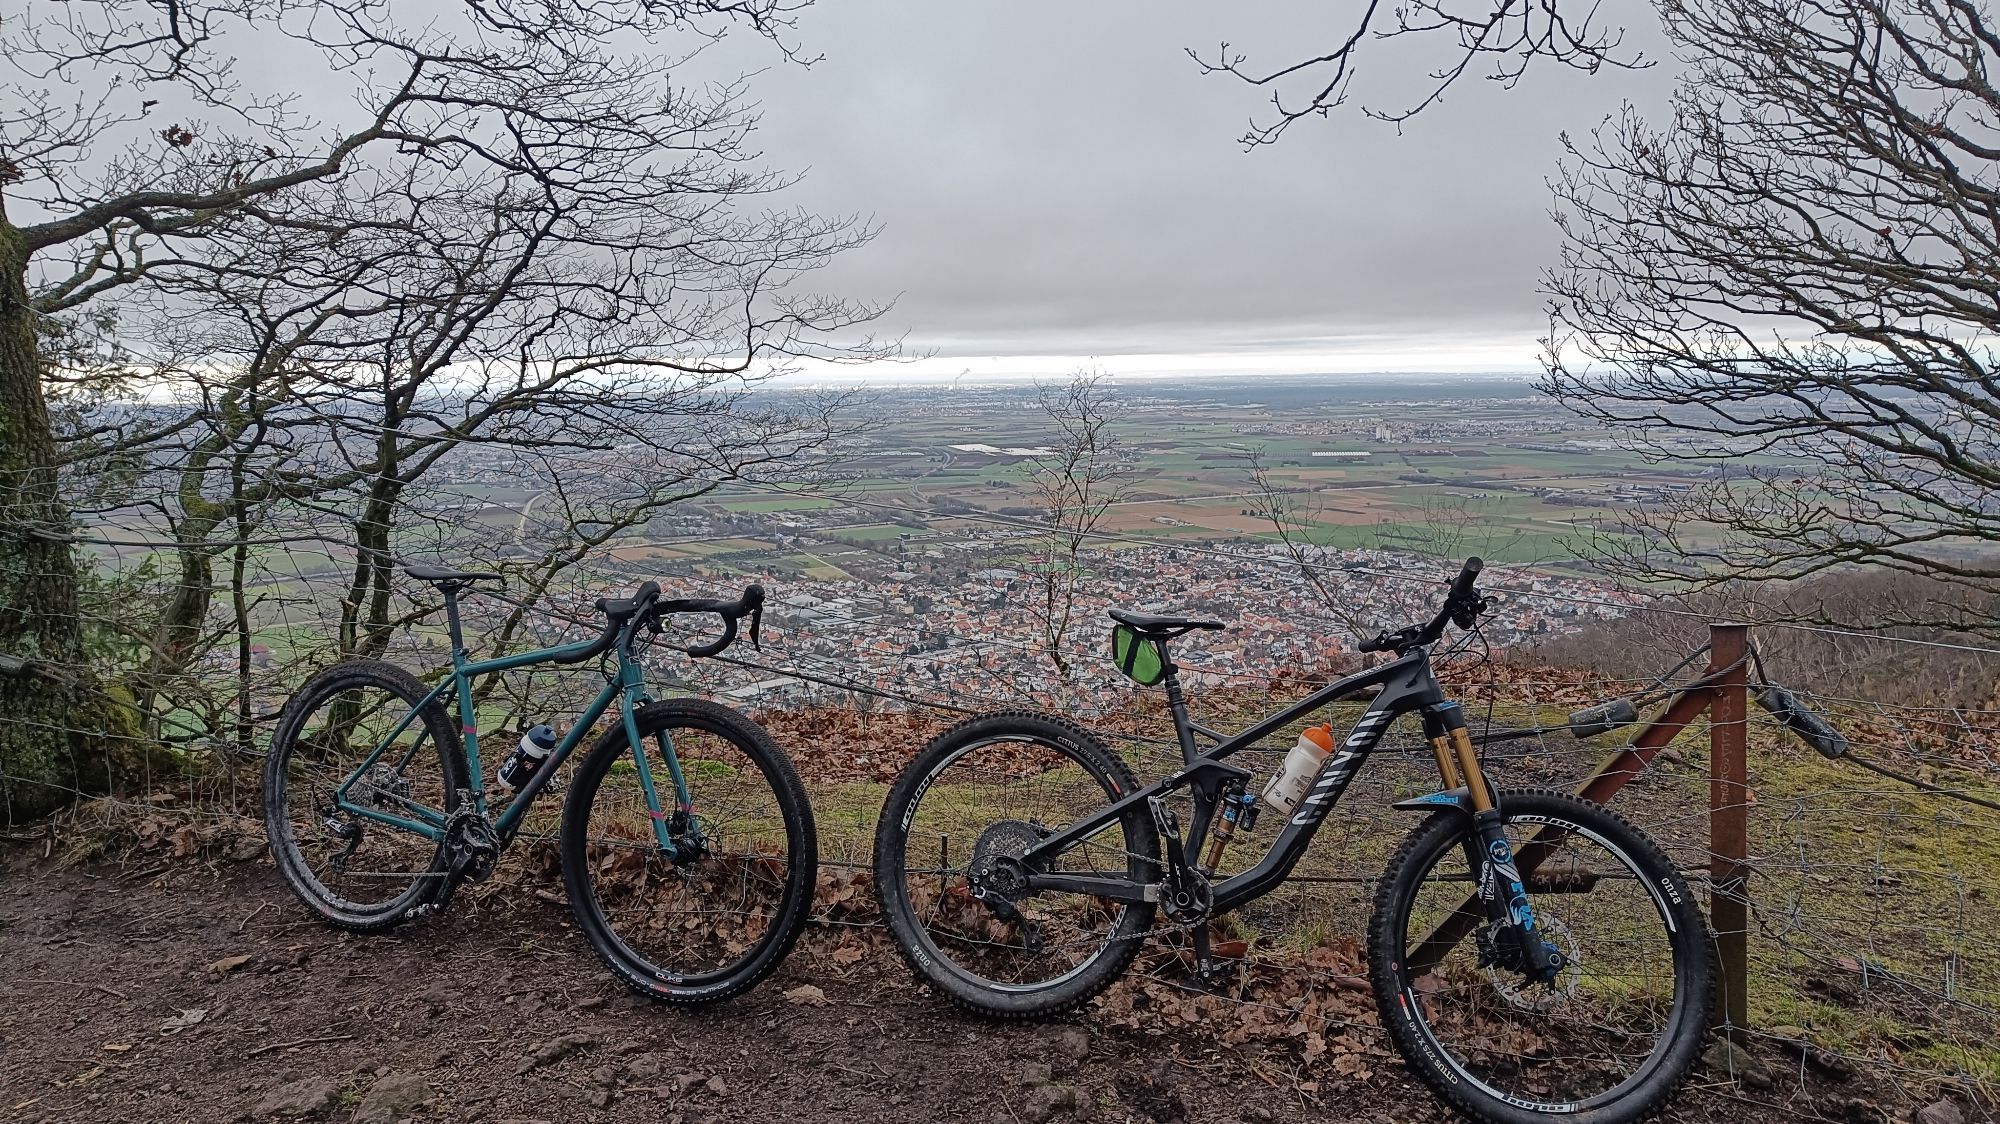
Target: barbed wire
1923,948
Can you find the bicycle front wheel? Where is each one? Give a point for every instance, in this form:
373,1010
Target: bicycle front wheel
719,913
1612,1037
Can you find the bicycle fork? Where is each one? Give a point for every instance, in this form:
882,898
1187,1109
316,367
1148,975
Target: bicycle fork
1496,874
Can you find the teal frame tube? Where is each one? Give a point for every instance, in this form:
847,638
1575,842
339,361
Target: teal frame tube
627,688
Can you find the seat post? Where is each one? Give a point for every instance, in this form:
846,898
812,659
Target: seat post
1177,704
450,591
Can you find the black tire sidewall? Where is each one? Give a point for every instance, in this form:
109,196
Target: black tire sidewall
277,820
1693,960
891,849
802,854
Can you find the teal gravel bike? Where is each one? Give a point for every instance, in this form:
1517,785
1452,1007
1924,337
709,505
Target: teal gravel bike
686,841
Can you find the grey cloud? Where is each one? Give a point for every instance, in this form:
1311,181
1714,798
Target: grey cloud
1057,177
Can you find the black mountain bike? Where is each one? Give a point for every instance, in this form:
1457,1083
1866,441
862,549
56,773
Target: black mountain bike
687,840
1533,954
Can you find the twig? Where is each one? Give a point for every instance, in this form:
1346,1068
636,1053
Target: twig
267,1048
240,925
1009,1108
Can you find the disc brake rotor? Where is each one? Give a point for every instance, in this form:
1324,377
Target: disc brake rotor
1528,995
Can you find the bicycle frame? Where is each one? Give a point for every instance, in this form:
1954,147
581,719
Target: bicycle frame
627,689
1405,684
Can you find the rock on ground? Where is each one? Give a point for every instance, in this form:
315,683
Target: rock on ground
293,1099
391,1099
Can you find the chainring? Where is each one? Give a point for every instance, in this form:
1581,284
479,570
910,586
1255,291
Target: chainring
471,848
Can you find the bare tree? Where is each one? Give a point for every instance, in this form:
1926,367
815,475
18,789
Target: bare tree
129,141
347,359
1084,473
1793,283
1293,513
1495,40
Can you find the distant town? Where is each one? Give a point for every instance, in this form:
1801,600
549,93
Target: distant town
909,559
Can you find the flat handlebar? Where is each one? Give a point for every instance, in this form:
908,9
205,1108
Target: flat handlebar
1462,605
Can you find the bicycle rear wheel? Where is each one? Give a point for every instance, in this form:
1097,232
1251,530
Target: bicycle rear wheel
356,871
1612,1038
988,789
710,921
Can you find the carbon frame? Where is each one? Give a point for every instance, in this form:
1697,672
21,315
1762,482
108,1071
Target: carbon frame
628,688
1406,684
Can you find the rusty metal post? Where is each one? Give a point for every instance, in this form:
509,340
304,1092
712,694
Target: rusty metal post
1729,817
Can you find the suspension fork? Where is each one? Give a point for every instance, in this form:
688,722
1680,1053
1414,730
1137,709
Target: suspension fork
1488,854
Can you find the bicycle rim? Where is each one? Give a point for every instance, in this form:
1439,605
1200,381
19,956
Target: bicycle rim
996,797
353,863
702,917
1606,1025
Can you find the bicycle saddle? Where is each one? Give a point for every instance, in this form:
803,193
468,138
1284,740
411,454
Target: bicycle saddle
425,573
1152,625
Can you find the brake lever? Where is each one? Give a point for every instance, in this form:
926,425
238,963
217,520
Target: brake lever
756,622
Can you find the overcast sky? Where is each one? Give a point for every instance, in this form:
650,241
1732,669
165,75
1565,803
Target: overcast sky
1057,183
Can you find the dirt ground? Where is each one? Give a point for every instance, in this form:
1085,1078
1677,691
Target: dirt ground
192,992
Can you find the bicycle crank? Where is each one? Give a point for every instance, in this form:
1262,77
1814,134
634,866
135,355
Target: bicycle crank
471,848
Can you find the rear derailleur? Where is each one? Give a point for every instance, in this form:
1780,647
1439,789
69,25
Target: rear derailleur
997,877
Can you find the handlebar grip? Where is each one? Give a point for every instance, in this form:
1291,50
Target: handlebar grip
1461,586
1379,643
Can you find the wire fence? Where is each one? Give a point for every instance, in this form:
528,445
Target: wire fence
1875,943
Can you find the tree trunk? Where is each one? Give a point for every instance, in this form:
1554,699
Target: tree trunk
45,716
364,614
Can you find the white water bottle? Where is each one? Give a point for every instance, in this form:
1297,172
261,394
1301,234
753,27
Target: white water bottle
1301,766
527,758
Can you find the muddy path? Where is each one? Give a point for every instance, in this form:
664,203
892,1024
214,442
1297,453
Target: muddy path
187,992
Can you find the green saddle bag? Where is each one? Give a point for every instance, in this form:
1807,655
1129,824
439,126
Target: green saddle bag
1137,657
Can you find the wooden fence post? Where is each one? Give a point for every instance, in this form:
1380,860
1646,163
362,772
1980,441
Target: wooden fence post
1729,817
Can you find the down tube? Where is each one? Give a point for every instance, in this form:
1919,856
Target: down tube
517,809
1291,844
